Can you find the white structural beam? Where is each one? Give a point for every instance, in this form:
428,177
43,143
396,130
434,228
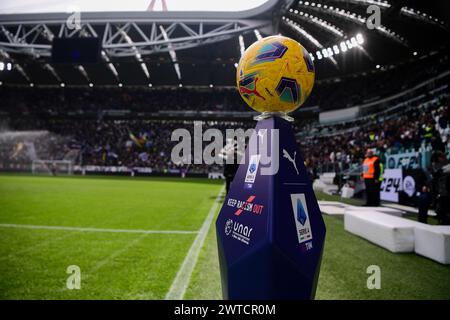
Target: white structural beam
257,34
172,53
241,45
137,54
145,38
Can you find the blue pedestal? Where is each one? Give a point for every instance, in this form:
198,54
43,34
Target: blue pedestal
270,231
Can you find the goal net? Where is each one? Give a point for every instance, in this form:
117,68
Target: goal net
52,167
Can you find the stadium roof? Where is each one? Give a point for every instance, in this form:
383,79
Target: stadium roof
48,6
201,48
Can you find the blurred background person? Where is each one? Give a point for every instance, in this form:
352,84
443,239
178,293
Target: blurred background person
371,175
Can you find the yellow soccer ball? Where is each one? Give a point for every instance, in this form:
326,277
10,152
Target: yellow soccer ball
275,74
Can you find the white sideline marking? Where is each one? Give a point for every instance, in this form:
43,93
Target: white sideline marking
29,226
183,277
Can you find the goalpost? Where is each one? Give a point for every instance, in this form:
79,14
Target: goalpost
52,167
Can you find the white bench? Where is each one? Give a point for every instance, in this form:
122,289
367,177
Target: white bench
391,211
390,232
433,242
332,207
398,234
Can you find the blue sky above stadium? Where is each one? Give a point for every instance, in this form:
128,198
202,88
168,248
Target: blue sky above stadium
33,6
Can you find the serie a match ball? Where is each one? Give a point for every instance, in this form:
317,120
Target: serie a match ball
275,74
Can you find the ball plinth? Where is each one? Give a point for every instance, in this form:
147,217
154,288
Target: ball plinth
275,75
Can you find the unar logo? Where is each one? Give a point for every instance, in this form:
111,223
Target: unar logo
228,227
238,231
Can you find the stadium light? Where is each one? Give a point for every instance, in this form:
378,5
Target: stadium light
330,52
211,85
361,21
305,34
336,49
120,85
62,84
9,66
172,53
409,12
415,53
343,46
1,83
2,66
377,66
31,84
91,84
323,24
180,85
150,85
359,38
235,64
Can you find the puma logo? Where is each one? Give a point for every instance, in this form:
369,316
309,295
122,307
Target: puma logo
287,156
244,90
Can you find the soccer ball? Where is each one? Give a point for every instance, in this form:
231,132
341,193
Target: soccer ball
275,74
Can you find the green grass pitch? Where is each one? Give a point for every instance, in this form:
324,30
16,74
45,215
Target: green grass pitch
124,265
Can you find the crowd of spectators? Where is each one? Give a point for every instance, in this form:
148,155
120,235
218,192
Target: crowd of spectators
129,143
136,141
427,125
147,143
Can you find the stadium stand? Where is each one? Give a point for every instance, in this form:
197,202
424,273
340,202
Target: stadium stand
106,116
